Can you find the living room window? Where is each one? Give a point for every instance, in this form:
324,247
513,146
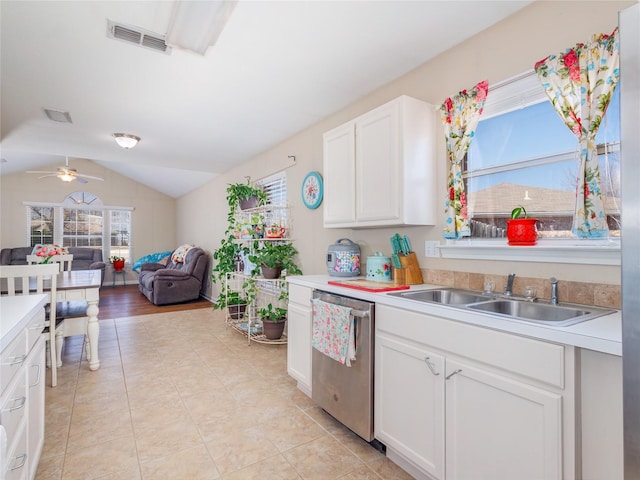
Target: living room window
81,221
523,154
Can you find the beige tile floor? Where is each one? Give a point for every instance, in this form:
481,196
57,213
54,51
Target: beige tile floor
182,396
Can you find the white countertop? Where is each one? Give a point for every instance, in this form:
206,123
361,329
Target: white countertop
603,334
15,314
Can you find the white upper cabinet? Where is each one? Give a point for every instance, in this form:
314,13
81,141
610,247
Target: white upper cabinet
379,169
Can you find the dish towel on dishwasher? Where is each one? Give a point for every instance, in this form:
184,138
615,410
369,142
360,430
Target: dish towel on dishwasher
333,331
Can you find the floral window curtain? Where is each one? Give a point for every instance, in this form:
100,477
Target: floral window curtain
580,83
460,116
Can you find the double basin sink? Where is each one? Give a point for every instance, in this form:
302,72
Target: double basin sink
523,309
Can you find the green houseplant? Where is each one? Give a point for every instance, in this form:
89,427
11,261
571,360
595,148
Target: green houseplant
245,195
273,321
273,257
521,229
237,304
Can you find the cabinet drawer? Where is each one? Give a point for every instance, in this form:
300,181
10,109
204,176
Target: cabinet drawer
537,360
16,462
300,295
12,358
34,330
70,295
13,406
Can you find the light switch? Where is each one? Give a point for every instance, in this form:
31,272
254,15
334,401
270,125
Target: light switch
431,248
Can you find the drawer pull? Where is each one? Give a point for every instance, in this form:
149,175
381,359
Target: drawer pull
22,401
433,370
19,359
452,374
37,380
23,460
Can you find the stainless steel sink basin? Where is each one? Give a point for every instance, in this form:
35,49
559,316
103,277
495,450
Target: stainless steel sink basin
541,313
444,296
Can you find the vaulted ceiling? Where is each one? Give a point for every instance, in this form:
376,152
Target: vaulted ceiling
277,68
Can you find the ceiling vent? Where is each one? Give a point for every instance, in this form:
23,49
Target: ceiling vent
58,115
137,36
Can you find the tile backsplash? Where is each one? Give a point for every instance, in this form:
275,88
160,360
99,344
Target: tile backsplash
600,294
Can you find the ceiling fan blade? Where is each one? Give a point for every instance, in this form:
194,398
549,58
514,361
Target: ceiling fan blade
50,175
40,171
89,176
81,180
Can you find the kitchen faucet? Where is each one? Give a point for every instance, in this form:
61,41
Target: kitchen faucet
554,290
508,290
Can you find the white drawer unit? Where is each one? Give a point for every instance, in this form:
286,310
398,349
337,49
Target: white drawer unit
22,383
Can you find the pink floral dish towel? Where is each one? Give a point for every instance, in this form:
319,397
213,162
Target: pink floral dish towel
333,331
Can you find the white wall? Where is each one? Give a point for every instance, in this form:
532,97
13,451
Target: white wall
507,49
153,220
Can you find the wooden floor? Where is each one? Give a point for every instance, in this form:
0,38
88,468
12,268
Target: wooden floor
128,301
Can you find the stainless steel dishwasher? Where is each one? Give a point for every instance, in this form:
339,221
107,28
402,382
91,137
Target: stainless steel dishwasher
346,393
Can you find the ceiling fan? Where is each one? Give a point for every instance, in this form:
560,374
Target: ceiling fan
67,174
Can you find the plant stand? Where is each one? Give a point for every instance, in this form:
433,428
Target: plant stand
250,324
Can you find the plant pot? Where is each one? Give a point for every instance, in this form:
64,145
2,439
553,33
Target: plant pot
272,330
237,311
522,231
247,203
270,273
118,265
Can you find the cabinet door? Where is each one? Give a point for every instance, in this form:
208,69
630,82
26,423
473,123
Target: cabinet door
36,379
299,345
500,429
409,402
378,166
339,176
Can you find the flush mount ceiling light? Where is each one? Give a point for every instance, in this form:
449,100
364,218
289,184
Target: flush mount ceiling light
126,140
196,26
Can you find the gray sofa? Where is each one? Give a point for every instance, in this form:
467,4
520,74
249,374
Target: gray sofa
175,282
83,258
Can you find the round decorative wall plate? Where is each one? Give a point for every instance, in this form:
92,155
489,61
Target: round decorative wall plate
312,190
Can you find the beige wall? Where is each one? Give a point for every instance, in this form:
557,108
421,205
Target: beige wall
507,49
153,220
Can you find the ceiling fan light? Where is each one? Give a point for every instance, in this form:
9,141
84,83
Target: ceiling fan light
126,140
66,177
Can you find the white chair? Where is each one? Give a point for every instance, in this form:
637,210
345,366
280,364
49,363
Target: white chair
64,261
35,279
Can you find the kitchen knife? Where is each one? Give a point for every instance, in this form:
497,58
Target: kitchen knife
408,244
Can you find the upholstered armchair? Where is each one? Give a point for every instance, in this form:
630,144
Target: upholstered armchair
177,281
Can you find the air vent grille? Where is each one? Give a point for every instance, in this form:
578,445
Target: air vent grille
138,36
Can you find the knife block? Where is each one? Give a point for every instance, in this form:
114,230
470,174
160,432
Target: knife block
410,273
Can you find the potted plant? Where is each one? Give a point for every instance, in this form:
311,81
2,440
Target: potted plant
272,321
117,262
273,257
521,229
245,195
236,305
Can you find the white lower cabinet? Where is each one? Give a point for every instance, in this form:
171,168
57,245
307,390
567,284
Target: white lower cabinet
409,415
299,318
500,428
460,402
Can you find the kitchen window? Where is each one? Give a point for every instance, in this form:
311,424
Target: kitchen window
523,154
81,221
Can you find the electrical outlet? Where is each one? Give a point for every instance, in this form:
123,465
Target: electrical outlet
431,248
